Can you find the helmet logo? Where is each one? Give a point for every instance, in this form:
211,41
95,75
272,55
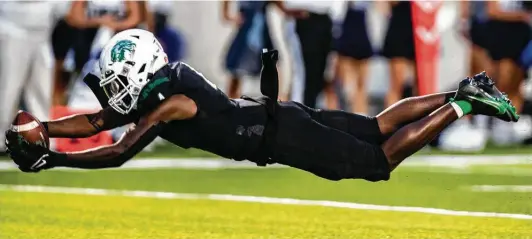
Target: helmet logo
120,49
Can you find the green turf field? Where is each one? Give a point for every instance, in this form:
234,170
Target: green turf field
53,215
32,215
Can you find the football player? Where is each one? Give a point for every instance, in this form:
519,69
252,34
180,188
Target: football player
135,84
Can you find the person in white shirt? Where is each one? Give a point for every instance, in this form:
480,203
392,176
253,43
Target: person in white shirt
510,33
87,17
25,59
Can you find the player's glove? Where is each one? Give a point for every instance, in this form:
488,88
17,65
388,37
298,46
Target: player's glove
269,57
29,158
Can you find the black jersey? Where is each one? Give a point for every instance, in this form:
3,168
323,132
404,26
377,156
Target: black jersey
226,127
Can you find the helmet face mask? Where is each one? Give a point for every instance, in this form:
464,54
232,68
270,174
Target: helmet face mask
122,95
127,63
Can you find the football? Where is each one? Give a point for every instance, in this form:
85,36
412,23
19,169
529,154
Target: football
30,129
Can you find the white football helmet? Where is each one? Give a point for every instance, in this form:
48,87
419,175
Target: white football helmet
127,63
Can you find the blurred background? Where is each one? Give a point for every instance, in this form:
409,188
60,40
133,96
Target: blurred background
357,56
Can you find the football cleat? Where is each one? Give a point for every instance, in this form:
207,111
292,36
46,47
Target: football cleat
488,85
511,114
485,98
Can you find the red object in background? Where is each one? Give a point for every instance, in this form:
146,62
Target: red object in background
69,145
427,44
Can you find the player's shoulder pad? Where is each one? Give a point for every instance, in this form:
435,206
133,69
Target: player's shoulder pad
154,93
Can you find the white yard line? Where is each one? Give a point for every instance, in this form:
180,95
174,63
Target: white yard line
445,161
268,200
501,188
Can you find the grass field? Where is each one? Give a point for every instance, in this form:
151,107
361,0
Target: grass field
33,214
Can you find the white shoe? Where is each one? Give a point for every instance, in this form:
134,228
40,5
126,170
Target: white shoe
503,133
463,136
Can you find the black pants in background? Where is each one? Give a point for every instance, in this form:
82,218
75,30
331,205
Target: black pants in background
315,36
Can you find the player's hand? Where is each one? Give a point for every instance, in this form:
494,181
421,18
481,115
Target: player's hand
269,57
11,142
28,157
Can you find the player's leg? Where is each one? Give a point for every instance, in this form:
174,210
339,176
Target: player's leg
414,136
410,109
473,96
307,144
376,129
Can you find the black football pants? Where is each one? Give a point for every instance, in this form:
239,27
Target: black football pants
331,144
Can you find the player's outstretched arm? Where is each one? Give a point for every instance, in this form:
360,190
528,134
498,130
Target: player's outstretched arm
133,141
86,125
177,107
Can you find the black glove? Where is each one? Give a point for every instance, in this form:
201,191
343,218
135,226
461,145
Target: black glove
269,57
269,78
28,157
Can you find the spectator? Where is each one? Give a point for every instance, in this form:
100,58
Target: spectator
297,74
297,82
399,48
474,27
354,49
63,38
243,55
81,96
315,36
333,93
509,25
147,16
510,35
87,17
170,38
25,63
